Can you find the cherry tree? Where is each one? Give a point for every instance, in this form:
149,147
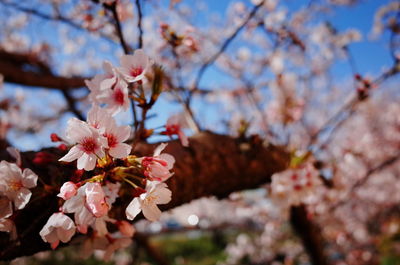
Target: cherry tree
137,107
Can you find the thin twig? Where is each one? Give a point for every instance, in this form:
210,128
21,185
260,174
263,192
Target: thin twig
225,44
71,102
388,162
350,107
113,8
139,24
57,17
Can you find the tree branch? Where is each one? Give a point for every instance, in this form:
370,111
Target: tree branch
221,50
13,65
213,165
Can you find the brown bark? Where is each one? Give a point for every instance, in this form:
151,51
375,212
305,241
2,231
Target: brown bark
28,70
309,233
213,165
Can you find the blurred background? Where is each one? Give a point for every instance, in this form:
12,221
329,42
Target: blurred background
316,78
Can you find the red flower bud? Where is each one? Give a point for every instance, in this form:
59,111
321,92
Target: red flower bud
42,158
55,138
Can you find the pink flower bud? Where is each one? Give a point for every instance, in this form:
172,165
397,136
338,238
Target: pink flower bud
67,190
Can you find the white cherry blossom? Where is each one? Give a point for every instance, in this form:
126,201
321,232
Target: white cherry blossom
58,228
90,145
15,183
156,193
133,67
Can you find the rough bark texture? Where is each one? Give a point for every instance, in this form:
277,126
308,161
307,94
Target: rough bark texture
309,233
213,165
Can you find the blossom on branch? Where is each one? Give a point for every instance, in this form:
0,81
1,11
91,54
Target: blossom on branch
158,166
15,183
174,126
58,228
102,120
90,145
156,193
133,67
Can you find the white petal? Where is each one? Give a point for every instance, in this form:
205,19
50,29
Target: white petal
163,195
151,212
123,133
29,178
74,153
77,130
120,150
159,149
87,162
22,198
133,209
169,159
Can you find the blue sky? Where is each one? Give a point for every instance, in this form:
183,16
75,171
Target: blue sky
369,56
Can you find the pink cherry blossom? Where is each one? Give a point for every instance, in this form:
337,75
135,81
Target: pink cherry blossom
111,192
95,200
110,76
116,135
174,126
133,67
90,207
58,228
90,145
295,186
77,205
15,184
97,117
159,165
68,190
94,87
116,98
156,193
15,154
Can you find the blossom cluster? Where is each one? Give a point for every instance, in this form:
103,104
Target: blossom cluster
15,185
295,186
111,88
98,145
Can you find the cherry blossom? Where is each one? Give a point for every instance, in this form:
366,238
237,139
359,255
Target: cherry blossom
116,97
174,126
90,145
101,119
159,165
95,199
156,193
134,67
58,228
15,183
295,186
68,190
94,87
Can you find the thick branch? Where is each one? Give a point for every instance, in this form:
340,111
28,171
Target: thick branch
213,165
309,233
27,70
